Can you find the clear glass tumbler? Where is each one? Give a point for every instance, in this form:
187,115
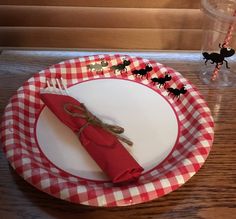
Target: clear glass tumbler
218,67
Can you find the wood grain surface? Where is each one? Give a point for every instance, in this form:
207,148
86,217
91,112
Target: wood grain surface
210,194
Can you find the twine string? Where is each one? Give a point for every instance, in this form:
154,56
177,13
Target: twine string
90,118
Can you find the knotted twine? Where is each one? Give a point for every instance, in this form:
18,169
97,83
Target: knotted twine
93,120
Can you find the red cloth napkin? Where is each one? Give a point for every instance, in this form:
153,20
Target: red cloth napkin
103,146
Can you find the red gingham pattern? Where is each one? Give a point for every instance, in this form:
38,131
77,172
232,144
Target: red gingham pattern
19,143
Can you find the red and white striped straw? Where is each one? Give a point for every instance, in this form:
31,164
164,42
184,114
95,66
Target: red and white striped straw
226,43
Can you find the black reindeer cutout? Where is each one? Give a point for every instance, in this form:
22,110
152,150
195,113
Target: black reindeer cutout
98,67
161,81
219,58
143,71
121,67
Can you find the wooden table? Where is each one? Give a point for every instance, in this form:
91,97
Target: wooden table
210,194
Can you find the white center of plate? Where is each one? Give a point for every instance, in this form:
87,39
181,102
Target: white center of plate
147,117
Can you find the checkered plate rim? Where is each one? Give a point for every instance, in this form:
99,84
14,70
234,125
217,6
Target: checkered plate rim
21,150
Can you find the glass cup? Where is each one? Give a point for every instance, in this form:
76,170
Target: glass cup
218,67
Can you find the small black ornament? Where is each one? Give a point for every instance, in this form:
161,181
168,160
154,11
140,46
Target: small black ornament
121,67
219,58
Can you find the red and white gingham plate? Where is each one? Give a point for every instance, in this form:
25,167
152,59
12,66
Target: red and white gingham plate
194,143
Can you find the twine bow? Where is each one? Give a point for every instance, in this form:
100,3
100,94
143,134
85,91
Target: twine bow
93,120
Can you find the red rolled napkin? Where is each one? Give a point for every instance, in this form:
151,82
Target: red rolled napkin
96,137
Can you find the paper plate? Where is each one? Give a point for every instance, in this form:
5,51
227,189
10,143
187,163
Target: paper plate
162,113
